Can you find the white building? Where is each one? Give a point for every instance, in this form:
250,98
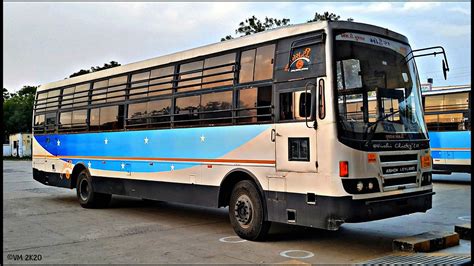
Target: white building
19,145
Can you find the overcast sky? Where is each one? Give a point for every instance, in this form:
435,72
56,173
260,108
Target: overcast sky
45,42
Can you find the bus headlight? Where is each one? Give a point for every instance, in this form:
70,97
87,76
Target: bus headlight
370,186
360,186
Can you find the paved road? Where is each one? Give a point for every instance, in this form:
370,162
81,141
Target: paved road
48,221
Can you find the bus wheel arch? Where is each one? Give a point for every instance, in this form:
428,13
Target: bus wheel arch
78,168
231,179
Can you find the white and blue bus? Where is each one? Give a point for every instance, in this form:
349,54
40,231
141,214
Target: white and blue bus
448,118
262,124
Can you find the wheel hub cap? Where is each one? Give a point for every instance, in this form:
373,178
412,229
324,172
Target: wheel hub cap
243,210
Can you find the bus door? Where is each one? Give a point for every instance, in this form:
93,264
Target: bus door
294,133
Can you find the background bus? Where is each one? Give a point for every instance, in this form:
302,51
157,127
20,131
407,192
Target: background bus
448,118
261,124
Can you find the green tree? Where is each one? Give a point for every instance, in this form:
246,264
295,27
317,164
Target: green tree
18,111
326,16
253,25
95,69
6,94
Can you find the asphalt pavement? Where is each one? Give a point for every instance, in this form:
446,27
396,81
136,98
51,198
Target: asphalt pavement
47,225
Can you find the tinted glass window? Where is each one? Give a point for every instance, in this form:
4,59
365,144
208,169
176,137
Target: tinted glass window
194,78
94,122
255,104
65,119
217,61
158,112
136,110
39,120
264,62
108,117
187,107
101,84
118,81
247,65
79,117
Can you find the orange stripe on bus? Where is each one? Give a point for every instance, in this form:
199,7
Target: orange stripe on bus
161,159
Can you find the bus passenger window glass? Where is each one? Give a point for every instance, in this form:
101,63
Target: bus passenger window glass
111,117
456,101
159,107
94,120
136,110
39,120
67,99
254,104
83,87
264,62
246,104
118,80
140,82
295,105
101,84
434,103
217,61
194,78
52,103
140,77
247,65
79,117
137,113
65,119
187,107
158,112
161,72
50,119
113,93
99,96
211,103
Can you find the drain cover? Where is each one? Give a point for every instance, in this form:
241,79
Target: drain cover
420,258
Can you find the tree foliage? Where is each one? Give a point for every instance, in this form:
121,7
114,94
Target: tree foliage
253,25
95,69
18,110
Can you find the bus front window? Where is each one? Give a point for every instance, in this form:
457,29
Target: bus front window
378,93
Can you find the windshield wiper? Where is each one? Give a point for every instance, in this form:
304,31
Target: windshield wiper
376,122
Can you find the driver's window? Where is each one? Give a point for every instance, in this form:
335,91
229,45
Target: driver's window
295,105
348,74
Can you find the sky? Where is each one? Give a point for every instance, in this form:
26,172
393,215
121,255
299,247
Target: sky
45,42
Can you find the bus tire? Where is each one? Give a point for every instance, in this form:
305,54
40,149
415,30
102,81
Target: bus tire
86,195
246,212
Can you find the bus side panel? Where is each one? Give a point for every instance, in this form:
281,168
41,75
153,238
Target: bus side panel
451,150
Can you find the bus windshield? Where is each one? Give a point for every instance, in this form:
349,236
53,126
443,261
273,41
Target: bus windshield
378,91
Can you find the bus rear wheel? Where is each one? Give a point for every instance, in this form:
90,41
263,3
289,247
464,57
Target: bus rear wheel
246,212
86,195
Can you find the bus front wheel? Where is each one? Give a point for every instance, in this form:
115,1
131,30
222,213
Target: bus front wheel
246,212
86,195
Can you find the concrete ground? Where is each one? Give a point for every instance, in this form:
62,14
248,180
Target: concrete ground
48,223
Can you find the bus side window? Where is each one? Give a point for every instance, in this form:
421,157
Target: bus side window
254,104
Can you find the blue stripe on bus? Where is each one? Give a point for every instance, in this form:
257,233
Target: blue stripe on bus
192,143
450,140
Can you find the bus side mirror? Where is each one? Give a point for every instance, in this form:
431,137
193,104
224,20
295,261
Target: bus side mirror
445,70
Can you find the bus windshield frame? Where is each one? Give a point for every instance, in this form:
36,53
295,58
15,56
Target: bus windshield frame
377,94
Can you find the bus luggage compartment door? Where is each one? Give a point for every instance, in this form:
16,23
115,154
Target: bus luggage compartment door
295,148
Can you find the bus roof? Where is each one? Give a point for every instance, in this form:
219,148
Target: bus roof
454,89
262,37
